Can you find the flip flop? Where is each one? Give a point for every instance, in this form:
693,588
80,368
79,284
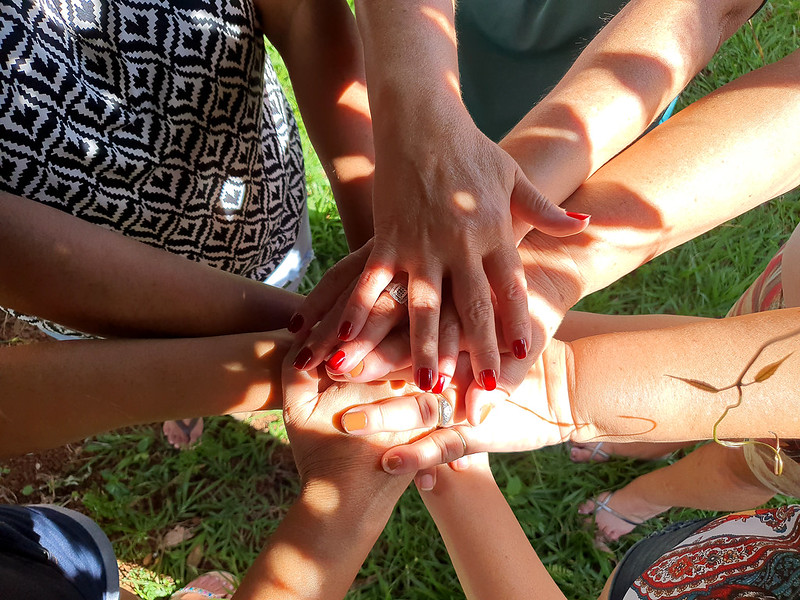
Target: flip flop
223,580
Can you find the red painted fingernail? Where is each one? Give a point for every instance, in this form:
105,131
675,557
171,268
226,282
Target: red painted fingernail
439,387
425,379
488,379
335,361
295,323
579,216
302,359
520,348
344,331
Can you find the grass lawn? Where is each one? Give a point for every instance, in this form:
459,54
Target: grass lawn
178,513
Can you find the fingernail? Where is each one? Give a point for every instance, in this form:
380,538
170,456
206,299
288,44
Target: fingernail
344,331
439,387
335,361
577,215
354,421
397,384
302,359
425,379
392,463
359,368
426,483
520,348
295,323
485,412
462,464
488,379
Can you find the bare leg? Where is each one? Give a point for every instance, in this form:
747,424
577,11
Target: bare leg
727,485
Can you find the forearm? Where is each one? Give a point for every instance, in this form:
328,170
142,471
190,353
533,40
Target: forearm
318,548
618,85
627,386
577,324
93,386
412,66
323,54
714,160
61,268
467,505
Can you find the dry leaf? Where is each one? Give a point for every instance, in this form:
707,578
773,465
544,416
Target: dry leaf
195,556
701,385
177,535
769,370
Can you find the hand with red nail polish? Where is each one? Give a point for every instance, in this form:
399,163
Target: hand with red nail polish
535,414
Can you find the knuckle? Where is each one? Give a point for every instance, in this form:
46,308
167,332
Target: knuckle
449,329
483,356
447,449
424,305
368,280
428,409
478,311
513,292
425,343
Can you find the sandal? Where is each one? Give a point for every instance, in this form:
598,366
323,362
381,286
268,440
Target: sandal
635,450
606,532
597,451
214,584
187,427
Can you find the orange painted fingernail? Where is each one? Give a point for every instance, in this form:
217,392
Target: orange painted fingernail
357,370
397,384
354,421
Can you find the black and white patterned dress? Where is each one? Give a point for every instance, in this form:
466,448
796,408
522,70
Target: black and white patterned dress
160,119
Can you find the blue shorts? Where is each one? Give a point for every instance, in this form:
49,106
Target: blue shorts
50,552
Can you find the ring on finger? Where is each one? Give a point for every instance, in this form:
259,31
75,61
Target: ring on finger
461,437
445,410
397,292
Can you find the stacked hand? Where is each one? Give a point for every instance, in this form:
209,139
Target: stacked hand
449,212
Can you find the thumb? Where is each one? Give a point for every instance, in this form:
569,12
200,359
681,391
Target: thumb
531,206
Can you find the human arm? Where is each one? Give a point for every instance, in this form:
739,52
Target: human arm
719,157
620,83
500,565
442,191
627,386
345,498
90,386
61,268
318,41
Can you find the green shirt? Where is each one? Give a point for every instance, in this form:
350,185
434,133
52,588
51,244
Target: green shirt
512,52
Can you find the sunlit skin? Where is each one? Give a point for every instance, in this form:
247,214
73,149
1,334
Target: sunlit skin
621,82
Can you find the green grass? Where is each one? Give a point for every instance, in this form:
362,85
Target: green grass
232,490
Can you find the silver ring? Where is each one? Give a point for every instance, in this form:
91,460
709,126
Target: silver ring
397,292
461,437
445,410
